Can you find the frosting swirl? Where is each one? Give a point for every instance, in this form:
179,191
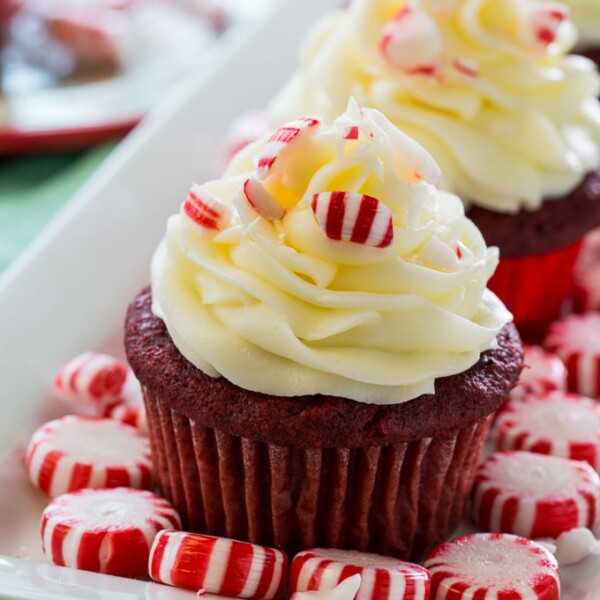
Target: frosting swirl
325,261
485,86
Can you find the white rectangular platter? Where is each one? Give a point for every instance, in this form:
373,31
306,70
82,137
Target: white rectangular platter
68,292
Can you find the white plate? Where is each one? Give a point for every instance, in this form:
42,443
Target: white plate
43,113
68,291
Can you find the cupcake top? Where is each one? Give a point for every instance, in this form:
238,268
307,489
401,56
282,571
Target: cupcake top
486,86
325,261
586,16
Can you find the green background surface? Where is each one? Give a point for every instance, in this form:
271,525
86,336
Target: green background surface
34,188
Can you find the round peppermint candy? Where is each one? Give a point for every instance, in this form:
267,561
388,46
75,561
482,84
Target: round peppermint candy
106,531
77,452
490,566
534,495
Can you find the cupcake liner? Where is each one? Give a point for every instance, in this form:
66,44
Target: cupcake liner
534,288
398,500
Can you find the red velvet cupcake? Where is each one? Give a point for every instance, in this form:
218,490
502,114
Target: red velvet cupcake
318,352
489,89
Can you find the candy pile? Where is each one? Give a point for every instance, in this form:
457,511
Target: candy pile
97,467
541,481
98,521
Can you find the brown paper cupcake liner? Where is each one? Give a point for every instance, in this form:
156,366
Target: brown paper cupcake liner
397,500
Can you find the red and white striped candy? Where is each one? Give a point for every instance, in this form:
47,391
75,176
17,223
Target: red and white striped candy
493,566
351,132
466,67
92,378
130,414
576,341
542,371
205,210
217,565
345,590
382,577
542,21
411,41
75,452
556,423
354,217
586,274
534,495
282,139
261,200
106,531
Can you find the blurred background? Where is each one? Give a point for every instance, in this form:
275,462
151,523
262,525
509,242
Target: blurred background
76,76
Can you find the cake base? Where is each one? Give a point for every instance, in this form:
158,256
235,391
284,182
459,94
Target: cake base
398,500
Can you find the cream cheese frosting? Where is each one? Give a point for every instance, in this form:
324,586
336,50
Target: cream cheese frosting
326,261
486,86
586,16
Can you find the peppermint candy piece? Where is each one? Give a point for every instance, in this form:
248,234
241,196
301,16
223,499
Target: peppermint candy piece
261,200
354,217
206,211
542,371
490,566
345,590
576,341
282,138
130,409
92,379
217,565
556,423
106,531
466,67
130,414
351,132
76,452
382,577
542,21
586,274
411,41
413,163
534,495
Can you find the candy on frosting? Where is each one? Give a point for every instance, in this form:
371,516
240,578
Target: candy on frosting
486,86
277,305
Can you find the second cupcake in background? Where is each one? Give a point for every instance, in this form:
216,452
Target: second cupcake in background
318,351
488,88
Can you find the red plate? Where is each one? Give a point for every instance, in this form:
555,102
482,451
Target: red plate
16,141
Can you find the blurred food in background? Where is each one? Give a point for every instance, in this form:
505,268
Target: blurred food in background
76,71
90,37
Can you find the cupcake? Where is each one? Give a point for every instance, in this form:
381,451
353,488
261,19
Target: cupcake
586,16
318,351
489,89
